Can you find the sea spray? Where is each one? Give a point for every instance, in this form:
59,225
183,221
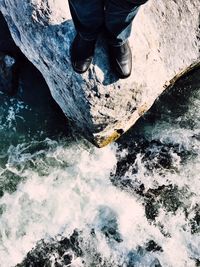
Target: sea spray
135,203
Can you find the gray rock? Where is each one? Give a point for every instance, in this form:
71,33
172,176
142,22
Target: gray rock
165,45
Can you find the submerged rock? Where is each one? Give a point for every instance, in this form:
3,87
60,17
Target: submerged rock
165,45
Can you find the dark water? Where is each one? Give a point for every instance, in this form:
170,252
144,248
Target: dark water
65,203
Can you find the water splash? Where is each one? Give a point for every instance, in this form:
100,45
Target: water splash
135,203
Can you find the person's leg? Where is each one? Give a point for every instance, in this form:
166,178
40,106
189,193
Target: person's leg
119,15
88,18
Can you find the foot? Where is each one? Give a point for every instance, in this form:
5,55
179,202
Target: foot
121,60
82,54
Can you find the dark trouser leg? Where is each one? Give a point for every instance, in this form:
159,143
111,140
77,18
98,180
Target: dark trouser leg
119,15
88,17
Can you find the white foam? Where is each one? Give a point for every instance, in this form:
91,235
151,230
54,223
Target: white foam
73,191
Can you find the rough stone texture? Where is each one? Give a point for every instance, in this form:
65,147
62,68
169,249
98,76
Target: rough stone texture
165,44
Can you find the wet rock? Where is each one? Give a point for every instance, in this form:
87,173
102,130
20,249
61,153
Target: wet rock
62,251
67,258
165,45
53,252
152,246
195,221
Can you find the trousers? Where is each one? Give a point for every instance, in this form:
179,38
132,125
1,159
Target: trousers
114,17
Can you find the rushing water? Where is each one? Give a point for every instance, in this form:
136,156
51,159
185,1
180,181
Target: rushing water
66,203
